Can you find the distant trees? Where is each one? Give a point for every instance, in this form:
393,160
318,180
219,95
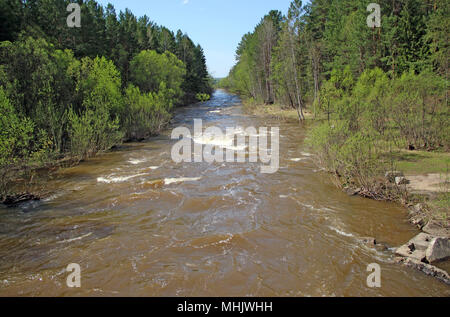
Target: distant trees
79,91
373,91
287,59
104,32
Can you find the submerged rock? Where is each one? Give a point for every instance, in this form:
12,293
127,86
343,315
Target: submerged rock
369,241
155,184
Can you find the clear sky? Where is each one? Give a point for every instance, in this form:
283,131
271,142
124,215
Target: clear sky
217,25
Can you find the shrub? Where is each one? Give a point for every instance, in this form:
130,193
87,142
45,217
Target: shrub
94,126
202,97
149,69
19,144
146,113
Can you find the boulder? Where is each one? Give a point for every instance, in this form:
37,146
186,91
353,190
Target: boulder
390,176
426,268
401,181
438,250
416,248
437,229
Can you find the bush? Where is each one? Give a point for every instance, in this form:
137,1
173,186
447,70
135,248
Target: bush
19,146
92,132
365,126
202,97
146,113
420,111
149,69
94,126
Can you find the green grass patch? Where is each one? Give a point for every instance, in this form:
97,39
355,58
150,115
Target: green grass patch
420,162
441,206
277,111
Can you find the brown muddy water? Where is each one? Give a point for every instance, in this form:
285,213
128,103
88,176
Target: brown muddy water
208,230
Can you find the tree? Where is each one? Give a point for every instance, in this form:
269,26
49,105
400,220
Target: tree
149,69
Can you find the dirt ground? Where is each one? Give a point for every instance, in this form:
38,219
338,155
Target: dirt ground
428,182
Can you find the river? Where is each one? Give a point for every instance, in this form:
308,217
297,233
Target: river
221,229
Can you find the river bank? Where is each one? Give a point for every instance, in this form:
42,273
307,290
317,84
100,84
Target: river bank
421,185
275,111
423,177
16,184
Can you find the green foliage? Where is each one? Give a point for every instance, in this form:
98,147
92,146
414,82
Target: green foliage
146,113
202,97
16,134
66,87
149,69
94,126
374,91
437,36
419,108
20,145
92,131
380,116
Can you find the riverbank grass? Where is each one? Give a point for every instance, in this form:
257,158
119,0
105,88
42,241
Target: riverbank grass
275,111
421,162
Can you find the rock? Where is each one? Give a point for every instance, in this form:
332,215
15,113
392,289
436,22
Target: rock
369,241
418,208
401,181
437,229
426,268
419,221
390,176
416,248
438,250
382,247
353,191
18,199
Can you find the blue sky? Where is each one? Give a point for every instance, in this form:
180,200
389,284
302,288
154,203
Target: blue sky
217,25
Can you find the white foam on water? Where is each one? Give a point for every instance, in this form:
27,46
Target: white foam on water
76,239
224,142
169,181
306,154
284,196
136,161
342,233
297,159
220,242
52,197
119,179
